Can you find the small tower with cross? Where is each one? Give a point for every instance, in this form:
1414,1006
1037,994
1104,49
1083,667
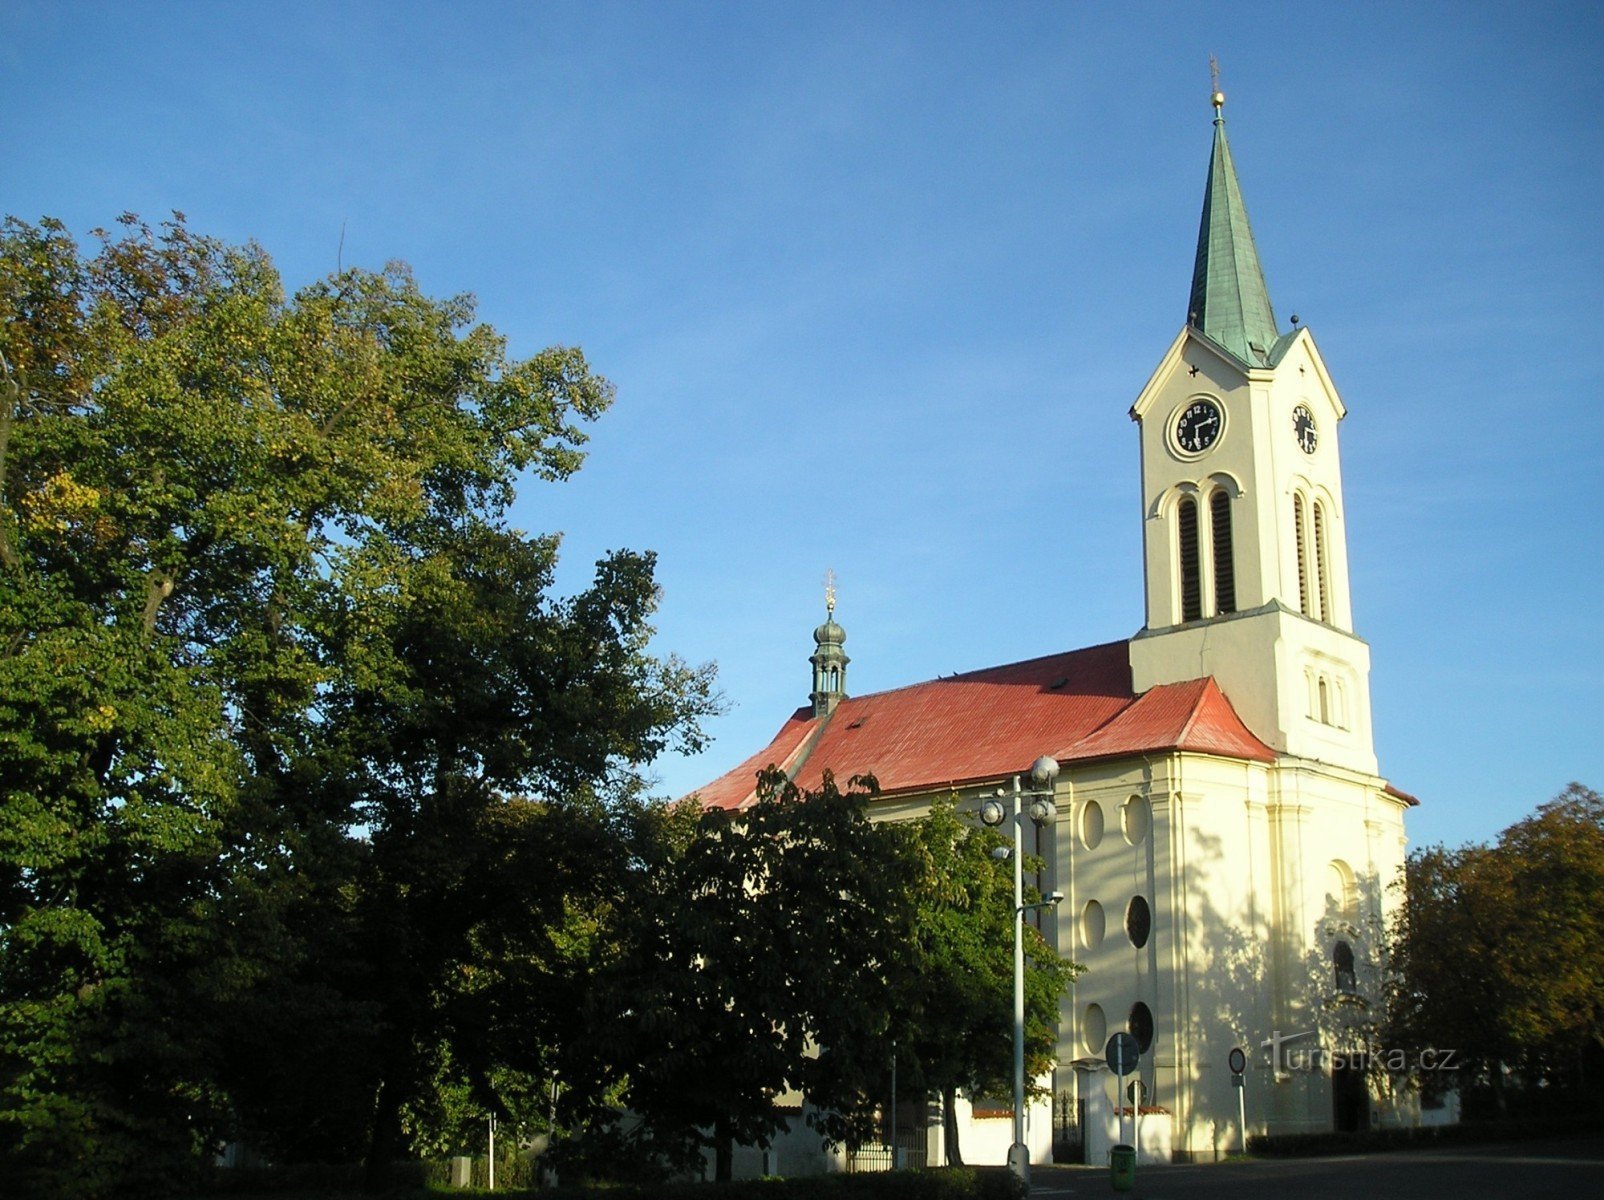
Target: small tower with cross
828,658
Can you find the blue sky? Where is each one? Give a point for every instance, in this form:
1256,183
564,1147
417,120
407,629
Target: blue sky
878,282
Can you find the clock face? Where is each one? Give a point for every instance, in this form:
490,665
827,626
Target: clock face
1303,428
1198,427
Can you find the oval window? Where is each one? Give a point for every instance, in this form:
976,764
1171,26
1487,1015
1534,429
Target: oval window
1141,1026
1095,1029
1135,819
1093,924
1138,921
1091,824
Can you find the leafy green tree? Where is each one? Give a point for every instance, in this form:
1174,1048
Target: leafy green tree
1498,951
767,937
271,667
791,943
953,1011
1449,988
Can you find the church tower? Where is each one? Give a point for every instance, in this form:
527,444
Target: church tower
829,659
1244,534
1223,849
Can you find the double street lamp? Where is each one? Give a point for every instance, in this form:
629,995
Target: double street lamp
994,810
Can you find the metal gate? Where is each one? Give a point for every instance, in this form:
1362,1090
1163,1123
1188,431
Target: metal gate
876,1156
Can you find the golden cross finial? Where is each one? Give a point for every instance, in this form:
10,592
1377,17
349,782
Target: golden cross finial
829,591
1215,95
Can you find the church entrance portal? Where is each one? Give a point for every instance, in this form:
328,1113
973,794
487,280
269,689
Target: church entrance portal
1350,1096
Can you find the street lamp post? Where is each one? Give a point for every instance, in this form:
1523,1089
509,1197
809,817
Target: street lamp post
1042,810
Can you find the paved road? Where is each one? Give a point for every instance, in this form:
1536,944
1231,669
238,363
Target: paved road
1563,1168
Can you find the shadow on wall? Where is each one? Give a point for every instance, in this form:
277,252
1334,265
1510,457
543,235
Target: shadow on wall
1304,1002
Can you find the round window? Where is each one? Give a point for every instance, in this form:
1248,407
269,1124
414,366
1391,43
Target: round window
1138,921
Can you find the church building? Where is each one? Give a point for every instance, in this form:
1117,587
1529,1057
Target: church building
1224,841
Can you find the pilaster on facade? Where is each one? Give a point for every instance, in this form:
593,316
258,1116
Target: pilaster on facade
1170,823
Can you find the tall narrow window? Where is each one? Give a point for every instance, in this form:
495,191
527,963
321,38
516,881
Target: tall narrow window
1325,702
1342,967
1191,584
1224,565
1303,552
1322,572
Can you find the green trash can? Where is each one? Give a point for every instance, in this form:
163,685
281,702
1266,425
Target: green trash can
1122,1167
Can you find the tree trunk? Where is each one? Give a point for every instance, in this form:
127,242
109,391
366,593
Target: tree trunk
949,1125
723,1152
385,1142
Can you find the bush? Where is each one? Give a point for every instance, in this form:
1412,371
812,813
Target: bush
609,1154
937,1183
341,1183
1302,1145
311,1180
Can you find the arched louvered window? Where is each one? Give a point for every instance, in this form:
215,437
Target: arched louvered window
1224,564
1322,570
1191,583
1303,552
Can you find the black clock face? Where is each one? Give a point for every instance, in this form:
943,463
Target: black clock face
1199,426
1303,427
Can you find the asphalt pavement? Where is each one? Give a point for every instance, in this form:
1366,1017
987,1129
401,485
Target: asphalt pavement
1558,1168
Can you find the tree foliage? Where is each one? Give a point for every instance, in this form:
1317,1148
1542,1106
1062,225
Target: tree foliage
322,822
1498,951
769,936
258,599
796,942
953,1017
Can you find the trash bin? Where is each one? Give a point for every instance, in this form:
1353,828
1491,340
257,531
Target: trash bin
1122,1167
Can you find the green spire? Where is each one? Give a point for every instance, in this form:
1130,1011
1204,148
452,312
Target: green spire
1229,300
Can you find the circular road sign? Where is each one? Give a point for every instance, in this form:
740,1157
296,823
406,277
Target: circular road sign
1121,1053
1238,1060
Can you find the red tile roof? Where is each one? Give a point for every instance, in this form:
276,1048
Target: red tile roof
1400,794
1194,715
988,724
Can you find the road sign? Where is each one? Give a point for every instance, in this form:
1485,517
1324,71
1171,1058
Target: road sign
1122,1054
1238,1061
1136,1092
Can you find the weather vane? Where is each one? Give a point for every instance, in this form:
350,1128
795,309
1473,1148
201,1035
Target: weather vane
829,591
1214,83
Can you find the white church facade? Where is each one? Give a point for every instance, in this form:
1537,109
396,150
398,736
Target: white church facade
1224,840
